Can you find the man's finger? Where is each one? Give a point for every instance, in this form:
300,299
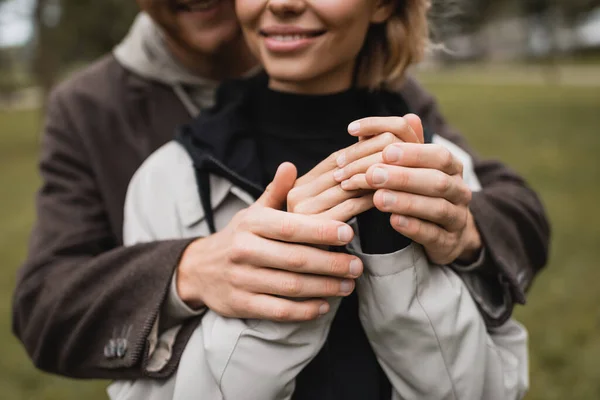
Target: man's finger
297,228
427,234
276,193
263,306
282,283
431,156
294,258
432,209
423,181
373,126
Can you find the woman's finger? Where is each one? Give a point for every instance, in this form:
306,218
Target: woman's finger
349,209
325,201
423,181
356,182
365,148
310,188
433,156
436,210
400,127
359,166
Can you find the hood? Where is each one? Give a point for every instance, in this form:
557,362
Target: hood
144,52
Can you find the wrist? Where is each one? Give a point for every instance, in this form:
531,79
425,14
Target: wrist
473,244
187,270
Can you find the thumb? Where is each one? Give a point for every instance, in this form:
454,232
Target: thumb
275,194
414,122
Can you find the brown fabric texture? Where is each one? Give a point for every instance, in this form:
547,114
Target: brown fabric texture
79,288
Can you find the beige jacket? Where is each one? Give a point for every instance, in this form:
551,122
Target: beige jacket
420,319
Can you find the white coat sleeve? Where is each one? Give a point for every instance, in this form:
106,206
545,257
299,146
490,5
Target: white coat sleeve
225,358
428,335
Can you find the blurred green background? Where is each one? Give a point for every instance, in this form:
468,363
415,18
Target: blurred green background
522,83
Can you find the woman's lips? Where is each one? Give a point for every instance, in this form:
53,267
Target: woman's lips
289,39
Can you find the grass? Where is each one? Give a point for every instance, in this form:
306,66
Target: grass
548,133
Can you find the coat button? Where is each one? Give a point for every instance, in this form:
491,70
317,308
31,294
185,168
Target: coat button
121,347
110,350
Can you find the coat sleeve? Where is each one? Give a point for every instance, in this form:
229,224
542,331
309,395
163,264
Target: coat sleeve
429,337
226,358
74,294
509,215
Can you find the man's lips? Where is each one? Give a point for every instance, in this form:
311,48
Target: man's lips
195,5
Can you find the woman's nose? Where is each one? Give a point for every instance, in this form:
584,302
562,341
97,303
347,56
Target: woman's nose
287,7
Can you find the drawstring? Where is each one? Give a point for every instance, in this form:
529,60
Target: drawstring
203,179
189,105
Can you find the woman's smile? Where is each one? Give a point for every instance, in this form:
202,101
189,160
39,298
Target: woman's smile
287,38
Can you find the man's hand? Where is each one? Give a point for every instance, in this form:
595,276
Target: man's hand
250,268
422,186
319,192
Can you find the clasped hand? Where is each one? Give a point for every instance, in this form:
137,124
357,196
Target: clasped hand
266,257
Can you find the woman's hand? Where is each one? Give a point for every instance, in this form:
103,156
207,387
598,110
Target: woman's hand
422,186
319,192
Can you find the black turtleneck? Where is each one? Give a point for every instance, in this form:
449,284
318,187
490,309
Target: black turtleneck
244,138
304,130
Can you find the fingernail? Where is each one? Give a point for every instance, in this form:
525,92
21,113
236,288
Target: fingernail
338,175
324,309
346,286
355,267
345,233
345,184
393,153
341,160
388,199
401,221
353,128
380,176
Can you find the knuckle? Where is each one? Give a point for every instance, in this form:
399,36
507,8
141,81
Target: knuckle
310,312
301,208
442,211
287,228
388,138
337,266
291,286
447,159
467,194
281,313
297,259
331,287
442,183
293,198
239,249
321,232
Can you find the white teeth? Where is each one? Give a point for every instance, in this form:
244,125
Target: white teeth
288,38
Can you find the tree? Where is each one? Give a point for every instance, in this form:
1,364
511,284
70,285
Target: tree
70,32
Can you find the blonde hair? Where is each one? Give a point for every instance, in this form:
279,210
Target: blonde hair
391,47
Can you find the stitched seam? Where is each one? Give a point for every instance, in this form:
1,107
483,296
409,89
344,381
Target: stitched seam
434,332
231,355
